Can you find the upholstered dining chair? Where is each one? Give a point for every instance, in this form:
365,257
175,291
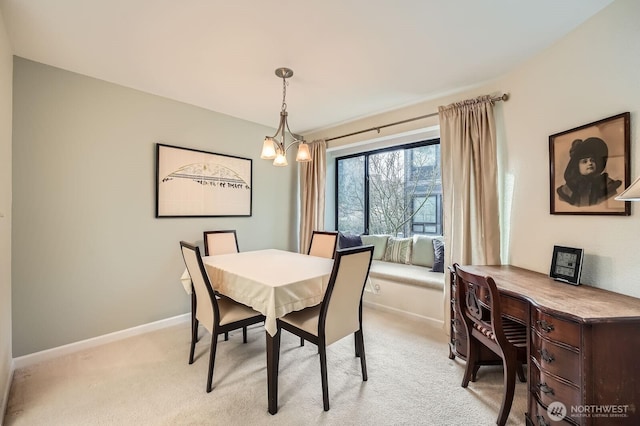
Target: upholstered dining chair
217,313
323,244
479,302
339,314
222,242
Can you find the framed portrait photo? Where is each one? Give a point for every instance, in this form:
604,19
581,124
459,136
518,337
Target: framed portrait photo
589,167
194,183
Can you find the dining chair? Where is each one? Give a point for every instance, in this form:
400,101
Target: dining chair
217,313
222,242
323,244
479,302
339,314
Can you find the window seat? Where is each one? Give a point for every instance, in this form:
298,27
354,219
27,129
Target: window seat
400,278
407,274
409,290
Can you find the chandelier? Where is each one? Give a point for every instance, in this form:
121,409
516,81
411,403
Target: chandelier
274,147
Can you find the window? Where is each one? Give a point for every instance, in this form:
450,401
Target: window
396,191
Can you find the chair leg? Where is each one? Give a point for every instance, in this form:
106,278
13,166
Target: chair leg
474,375
194,338
226,336
521,375
355,339
510,366
244,334
363,360
212,359
472,359
323,373
301,341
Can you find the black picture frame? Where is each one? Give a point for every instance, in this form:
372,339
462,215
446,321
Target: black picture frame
196,183
574,192
566,264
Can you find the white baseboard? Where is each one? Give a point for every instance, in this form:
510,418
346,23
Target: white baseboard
26,360
5,394
429,321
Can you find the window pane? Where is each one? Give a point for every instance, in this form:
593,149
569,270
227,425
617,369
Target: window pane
404,191
351,195
386,193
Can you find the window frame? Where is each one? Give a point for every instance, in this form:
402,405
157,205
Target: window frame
366,155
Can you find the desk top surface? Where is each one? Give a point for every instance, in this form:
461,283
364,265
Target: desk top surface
583,302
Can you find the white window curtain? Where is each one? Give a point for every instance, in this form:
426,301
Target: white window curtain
313,176
469,179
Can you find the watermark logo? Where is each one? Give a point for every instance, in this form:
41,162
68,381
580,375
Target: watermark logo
557,411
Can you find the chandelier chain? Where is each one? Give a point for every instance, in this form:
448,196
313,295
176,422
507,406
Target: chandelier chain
284,94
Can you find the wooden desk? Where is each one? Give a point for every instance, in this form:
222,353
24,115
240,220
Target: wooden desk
583,347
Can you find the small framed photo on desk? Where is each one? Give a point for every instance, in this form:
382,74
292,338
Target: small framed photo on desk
566,264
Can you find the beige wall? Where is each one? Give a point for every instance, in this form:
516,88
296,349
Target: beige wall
587,76
89,257
590,74
6,73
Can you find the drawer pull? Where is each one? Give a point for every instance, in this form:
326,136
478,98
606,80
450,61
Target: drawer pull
544,388
541,421
545,326
546,356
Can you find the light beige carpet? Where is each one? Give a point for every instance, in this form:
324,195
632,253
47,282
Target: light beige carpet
146,380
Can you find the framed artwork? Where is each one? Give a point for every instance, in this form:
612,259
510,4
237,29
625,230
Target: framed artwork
194,183
566,264
589,166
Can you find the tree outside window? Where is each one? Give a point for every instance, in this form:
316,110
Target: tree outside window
394,191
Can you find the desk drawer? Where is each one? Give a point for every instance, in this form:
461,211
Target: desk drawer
555,359
557,329
549,389
538,416
516,309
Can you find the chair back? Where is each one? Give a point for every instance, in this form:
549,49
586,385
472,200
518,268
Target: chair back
341,309
479,302
206,305
323,244
220,242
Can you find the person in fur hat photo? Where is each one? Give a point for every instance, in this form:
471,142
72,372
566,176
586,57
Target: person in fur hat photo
586,182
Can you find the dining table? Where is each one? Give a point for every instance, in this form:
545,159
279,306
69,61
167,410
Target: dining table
274,283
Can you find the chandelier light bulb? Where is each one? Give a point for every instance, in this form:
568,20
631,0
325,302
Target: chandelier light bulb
268,149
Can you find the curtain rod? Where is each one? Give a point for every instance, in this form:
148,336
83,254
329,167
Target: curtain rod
503,97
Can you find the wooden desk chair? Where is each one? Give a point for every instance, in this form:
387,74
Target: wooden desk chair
339,314
479,302
218,313
323,244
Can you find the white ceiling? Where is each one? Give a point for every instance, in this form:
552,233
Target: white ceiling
351,58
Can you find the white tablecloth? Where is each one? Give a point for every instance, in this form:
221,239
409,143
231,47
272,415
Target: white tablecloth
273,282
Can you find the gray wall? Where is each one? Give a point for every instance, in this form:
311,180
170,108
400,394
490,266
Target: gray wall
89,257
6,67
